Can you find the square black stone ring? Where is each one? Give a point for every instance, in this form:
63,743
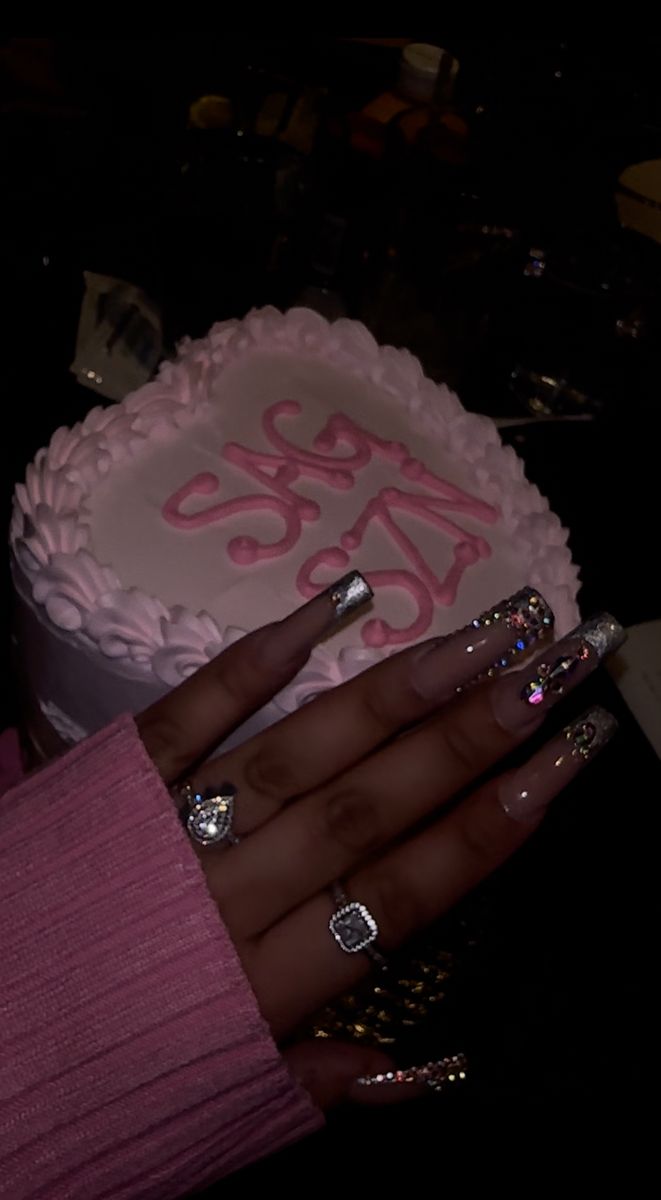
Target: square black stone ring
354,928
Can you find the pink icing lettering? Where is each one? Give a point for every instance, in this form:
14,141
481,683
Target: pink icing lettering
470,547
243,550
339,429
277,472
374,631
377,632
332,556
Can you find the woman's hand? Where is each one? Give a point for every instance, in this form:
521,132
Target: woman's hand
356,786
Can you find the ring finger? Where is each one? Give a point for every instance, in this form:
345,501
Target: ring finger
297,966
344,724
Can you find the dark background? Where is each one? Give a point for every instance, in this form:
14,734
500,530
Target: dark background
436,245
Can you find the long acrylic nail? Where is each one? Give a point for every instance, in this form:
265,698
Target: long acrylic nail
296,634
434,1074
526,794
520,700
487,645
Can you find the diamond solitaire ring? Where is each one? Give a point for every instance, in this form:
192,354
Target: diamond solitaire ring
209,814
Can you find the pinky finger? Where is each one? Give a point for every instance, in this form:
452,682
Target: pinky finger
330,1071
336,1072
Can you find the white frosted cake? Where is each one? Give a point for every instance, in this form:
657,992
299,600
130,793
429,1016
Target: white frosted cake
269,458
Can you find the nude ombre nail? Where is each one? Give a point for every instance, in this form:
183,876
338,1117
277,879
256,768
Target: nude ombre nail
296,634
520,700
526,794
489,644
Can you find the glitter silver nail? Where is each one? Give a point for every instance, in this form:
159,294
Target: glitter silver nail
591,732
433,1074
603,633
350,592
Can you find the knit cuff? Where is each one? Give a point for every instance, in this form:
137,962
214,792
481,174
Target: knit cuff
133,1056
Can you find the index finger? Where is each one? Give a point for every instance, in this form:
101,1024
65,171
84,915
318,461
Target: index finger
190,721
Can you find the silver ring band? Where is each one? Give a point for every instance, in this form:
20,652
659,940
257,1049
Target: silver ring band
353,927
209,815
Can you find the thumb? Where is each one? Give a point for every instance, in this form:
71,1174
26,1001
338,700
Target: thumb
330,1071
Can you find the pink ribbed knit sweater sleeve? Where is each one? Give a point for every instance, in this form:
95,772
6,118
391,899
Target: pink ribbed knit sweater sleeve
133,1058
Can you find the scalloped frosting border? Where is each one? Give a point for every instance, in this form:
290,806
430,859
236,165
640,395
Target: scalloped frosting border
50,534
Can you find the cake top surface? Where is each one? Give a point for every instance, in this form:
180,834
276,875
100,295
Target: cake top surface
270,457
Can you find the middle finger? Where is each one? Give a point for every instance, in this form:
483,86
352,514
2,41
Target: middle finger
320,740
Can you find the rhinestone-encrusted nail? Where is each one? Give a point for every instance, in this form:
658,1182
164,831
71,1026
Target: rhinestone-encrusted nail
526,612
590,732
603,633
434,1074
349,593
553,677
